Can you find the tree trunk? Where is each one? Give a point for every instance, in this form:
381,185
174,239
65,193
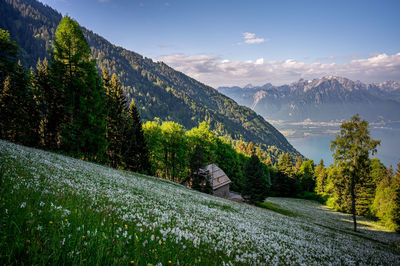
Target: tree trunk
353,203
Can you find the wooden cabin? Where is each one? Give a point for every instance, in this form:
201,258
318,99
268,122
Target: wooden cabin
218,179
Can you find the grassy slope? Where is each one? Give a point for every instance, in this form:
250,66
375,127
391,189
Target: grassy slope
56,209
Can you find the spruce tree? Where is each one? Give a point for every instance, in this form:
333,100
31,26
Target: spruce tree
255,188
135,153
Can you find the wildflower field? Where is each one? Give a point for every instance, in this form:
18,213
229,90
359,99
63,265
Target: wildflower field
59,210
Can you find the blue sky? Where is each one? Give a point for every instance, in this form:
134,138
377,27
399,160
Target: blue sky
240,42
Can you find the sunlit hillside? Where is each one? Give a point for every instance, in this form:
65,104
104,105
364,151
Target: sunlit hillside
59,210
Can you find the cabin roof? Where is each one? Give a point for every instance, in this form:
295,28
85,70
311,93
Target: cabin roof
218,178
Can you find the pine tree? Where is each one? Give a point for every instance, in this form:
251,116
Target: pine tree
351,152
83,116
255,188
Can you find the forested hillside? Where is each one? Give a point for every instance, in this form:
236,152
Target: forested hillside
158,90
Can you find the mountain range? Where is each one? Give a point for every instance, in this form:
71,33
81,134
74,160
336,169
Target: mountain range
157,89
325,99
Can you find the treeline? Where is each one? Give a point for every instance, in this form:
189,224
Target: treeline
176,154
378,192
63,105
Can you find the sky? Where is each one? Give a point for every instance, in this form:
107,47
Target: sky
240,42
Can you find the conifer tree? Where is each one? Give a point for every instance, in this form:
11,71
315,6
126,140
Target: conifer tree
299,162
117,118
50,105
320,177
285,165
135,153
19,118
8,55
83,116
306,174
352,147
255,188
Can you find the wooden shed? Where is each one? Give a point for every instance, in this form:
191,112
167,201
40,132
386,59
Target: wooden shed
218,179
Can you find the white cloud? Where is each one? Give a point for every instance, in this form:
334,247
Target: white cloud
255,40
259,61
250,38
215,72
248,35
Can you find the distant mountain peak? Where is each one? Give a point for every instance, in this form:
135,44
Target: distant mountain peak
248,86
324,99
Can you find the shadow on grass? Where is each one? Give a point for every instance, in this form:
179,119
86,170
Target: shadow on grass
275,208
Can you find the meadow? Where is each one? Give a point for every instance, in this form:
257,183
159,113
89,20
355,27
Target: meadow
59,210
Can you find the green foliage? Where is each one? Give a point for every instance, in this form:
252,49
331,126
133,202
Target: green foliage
202,138
386,205
229,160
116,119
306,176
285,165
352,147
19,117
83,126
174,148
135,152
282,184
256,186
320,177
154,140
8,55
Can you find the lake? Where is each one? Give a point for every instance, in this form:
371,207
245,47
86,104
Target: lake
317,146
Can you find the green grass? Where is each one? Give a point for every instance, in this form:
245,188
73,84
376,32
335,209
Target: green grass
59,210
35,229
276,208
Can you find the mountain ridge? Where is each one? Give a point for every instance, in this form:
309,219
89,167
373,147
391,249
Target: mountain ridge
324,99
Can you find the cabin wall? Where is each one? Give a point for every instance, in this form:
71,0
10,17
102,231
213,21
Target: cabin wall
222,192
